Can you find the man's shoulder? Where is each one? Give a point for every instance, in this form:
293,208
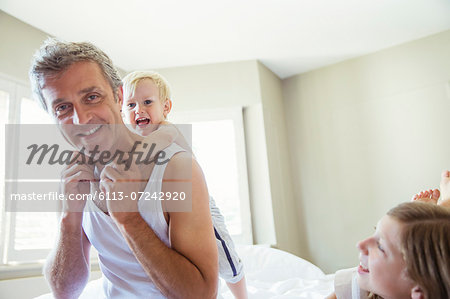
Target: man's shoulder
180,165
181,157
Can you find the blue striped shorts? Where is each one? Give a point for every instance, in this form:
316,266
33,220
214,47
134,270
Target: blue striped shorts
231,268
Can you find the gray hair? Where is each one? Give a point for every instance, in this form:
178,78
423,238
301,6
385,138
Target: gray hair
56,56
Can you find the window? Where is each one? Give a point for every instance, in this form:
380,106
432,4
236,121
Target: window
219,146
4,100
25,236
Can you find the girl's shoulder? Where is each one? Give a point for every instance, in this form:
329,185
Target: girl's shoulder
346,285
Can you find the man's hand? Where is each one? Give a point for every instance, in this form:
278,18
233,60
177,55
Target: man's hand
122,186
76,179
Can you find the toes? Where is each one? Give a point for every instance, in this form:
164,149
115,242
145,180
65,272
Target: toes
427,196
436,194
430,196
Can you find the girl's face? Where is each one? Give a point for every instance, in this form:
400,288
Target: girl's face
382,269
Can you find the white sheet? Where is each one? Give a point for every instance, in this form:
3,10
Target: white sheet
270,273
273,273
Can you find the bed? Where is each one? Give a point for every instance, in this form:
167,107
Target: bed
273,273
270,273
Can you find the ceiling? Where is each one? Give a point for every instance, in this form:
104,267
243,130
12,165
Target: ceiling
288,36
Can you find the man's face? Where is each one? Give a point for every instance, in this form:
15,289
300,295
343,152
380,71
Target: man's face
82,101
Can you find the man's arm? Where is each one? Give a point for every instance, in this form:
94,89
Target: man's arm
190,268
67,266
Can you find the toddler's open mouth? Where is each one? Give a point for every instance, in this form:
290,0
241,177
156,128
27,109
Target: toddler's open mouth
142,121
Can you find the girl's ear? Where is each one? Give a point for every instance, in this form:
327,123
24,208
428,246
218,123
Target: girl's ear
416,293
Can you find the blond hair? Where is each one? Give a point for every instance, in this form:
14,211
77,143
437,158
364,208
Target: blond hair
131,81
425,245
56,56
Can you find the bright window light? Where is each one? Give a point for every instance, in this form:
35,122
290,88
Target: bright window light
219,147
215,149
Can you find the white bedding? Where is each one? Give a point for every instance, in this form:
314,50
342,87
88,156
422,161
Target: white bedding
273,273
270,273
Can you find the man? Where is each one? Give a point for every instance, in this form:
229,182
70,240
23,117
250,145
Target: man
142,255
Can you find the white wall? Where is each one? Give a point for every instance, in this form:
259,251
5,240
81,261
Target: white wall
289,229
213,86
19,41
258,176
364,135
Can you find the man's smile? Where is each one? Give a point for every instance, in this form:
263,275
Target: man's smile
90,132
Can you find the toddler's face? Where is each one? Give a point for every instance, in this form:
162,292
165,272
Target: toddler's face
144,110
382,269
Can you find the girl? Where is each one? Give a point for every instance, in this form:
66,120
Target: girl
407,257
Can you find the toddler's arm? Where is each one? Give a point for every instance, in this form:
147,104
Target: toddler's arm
166,134
170,128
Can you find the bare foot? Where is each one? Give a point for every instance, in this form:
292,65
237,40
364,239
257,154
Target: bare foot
430,196
445,188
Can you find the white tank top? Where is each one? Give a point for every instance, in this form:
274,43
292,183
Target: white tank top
346,285
123,276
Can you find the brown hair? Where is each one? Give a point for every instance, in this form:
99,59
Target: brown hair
425,244
55,56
